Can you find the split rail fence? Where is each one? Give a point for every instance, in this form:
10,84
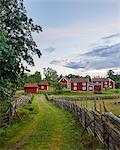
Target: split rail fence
105,127
8,110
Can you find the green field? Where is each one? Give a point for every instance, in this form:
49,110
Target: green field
44,126
109,105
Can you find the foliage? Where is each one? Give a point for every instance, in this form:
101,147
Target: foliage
22,79
72,76
16,44
36,77
58,86
50,75
88,76
115,77
60,77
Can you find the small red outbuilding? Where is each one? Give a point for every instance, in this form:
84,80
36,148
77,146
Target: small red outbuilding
31,87
65,80
43,85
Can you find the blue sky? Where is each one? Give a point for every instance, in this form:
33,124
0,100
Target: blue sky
72,30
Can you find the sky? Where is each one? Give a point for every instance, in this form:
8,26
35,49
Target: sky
79,36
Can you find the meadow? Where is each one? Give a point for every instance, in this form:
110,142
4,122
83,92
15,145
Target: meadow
111,105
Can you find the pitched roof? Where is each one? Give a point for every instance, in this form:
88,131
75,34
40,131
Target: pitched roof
43,83
81,79
64,78
31,84
100,79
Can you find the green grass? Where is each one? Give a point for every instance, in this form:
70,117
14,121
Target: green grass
104,92
109,104
20,91
111,91
58,130
11,135
44,126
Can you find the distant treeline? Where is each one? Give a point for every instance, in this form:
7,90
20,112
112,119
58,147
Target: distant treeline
51,76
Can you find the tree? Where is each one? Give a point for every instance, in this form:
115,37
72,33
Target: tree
60,76
22,79
58,86
16,44
50,75
72,76
115,77
110,74
88,76
36,77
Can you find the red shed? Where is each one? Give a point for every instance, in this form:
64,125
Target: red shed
43,85
31,87
79,84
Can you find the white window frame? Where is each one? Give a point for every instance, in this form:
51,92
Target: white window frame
75,87
90,88
83,83
74,84
84,88
42,87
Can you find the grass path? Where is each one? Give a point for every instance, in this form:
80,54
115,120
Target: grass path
52,129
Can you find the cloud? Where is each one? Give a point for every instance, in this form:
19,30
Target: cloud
112,36
49,49
99,58
55,62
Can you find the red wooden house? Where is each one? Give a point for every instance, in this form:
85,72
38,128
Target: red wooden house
43,85
100,83
65,81
79,84
31,87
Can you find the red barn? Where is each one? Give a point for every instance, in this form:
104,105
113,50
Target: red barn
43,85
31,87
79,84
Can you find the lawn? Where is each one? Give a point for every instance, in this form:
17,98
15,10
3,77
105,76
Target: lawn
44,126
20,91
104,92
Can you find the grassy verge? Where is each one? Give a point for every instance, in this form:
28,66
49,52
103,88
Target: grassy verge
11,135
44,126
59,130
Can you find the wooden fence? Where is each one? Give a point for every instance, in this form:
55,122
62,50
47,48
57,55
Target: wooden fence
105,128
8,110
94,97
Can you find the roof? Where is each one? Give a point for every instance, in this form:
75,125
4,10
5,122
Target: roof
100,79
31,84
81,79
64,78
43,83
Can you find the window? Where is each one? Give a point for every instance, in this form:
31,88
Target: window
84,88
75,88
75,84
105,85
105,82
42,87
84,84
90,88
